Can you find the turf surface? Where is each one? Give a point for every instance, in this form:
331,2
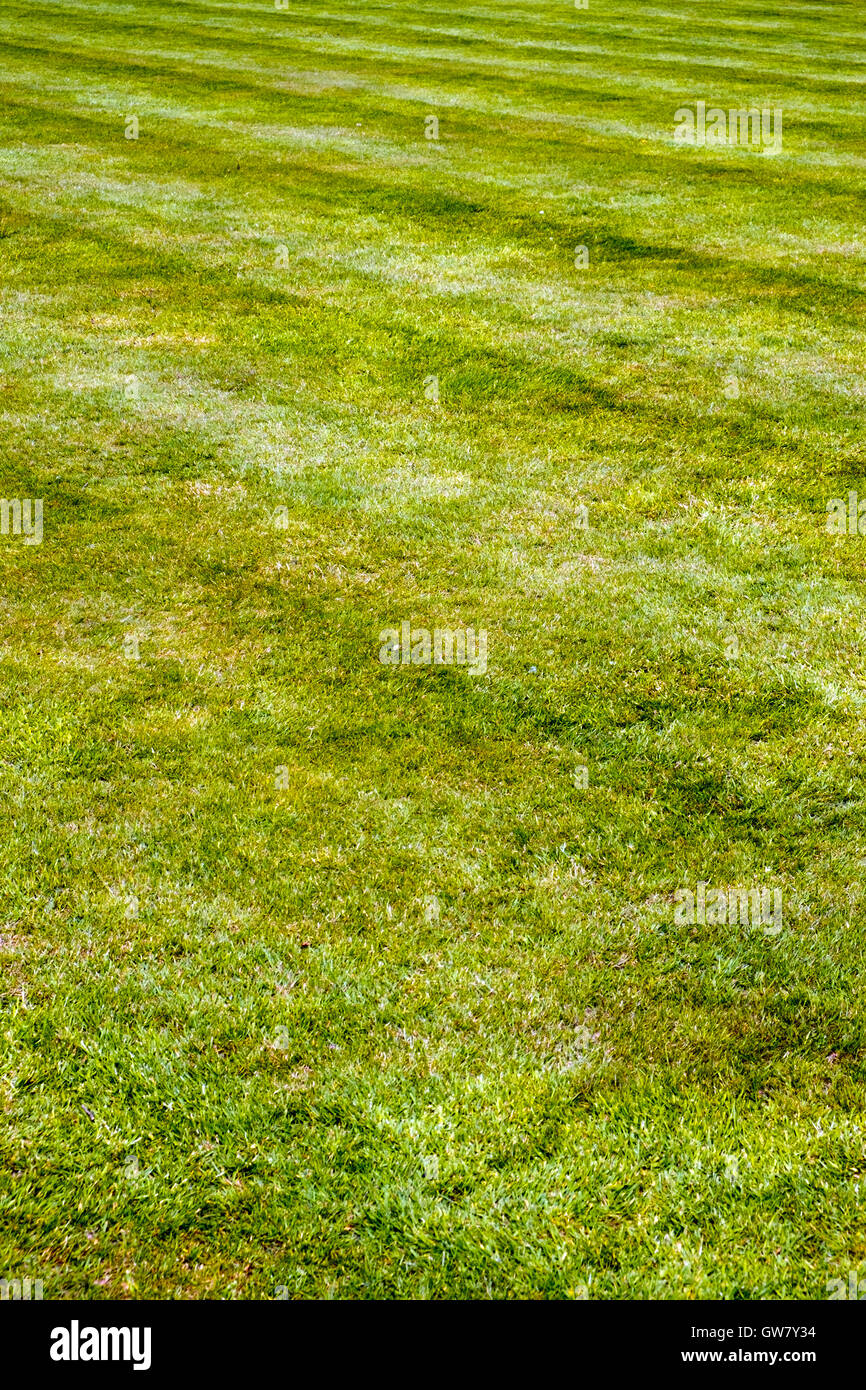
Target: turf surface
329,978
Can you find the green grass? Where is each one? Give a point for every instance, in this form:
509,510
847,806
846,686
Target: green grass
283,1070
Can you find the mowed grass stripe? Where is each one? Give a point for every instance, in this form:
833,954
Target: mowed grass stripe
557,52
402,121
254,246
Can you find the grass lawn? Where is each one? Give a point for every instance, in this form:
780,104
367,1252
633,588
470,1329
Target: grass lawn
325,977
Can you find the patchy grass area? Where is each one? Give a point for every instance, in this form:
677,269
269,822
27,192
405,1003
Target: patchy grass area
330,977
